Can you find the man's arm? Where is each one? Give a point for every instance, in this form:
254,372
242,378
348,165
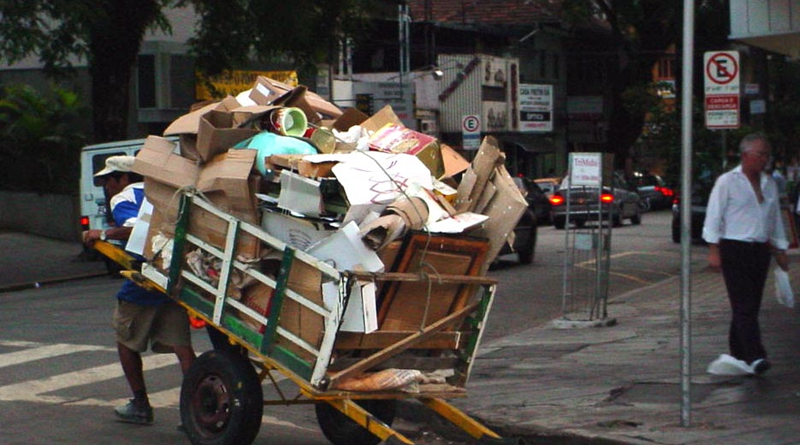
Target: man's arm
117,233
714,262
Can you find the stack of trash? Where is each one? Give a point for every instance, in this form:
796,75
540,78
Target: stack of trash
345,187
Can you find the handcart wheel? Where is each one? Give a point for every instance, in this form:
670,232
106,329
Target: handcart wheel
221,400
341,430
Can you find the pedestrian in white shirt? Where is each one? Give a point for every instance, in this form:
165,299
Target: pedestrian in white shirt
743,228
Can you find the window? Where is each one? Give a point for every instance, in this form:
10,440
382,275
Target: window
666,68
99,163
556,66
543,64
146,80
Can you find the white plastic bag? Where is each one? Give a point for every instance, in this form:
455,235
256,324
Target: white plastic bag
727,365
783,288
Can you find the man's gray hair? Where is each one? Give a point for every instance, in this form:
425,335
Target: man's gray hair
747,142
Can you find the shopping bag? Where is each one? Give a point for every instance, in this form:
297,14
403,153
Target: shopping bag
783,288
727,365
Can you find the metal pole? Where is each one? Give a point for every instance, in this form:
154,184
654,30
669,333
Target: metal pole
567,251
686,208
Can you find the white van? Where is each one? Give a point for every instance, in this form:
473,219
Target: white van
94,208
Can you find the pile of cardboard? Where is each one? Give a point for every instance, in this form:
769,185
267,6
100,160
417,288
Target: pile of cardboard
366,185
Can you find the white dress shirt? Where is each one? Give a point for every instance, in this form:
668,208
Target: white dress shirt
734,211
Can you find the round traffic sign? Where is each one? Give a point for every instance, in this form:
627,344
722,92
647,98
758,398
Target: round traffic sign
471,124
722,68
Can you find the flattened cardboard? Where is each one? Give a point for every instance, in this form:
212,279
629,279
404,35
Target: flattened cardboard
504,211
303,322
489,156
190,123
349,118
453,162
217,133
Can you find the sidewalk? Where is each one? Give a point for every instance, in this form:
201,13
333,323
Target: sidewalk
609,385
30,259
622,384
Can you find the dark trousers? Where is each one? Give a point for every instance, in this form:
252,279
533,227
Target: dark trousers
745,267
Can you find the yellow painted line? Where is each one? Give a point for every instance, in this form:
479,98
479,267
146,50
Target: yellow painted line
587,265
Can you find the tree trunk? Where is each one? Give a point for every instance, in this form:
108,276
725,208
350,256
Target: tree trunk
115,40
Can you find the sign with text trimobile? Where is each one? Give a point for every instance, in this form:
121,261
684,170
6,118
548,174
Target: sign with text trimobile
721,71
586,169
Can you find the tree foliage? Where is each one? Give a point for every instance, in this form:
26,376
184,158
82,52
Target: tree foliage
642,31
41,139
108,34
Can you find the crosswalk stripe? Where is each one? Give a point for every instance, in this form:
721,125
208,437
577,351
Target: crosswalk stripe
35,390
39,390
43,352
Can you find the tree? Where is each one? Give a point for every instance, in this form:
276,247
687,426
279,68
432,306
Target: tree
41,139
108,35
641,32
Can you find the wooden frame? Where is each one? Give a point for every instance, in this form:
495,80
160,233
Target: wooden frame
404,306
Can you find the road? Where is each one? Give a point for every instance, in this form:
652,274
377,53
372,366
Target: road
59,376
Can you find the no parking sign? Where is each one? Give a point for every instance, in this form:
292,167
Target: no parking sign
721,70
471,132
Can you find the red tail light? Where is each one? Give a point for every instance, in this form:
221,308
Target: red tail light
85,222
665,191
556,200
607,198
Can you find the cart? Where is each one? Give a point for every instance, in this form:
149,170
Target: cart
298,337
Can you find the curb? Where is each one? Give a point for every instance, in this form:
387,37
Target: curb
38,284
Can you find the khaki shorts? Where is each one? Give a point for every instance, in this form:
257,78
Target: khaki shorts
162,326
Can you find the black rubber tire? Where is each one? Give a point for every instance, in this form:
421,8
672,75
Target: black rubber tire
341,430
221,400
558,223
636,219
616,220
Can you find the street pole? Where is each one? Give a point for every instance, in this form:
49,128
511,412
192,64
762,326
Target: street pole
686,209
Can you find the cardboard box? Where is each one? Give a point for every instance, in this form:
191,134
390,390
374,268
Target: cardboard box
217,133
225,182
302,166
268,91
389,135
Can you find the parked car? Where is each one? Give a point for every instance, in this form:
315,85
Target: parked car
652,190
538,201
548,185
617,204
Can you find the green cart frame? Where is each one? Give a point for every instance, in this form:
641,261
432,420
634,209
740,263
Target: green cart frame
299,339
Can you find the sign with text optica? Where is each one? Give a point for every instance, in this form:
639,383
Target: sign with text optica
535,108
586,169
721,71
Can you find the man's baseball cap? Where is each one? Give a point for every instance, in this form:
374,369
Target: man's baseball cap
117,164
